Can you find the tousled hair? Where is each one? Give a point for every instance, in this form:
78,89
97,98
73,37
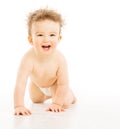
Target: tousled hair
44,14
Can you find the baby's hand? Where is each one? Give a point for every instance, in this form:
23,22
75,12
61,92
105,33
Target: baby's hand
55,108
21,110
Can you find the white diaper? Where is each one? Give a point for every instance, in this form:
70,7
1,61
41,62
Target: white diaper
46,91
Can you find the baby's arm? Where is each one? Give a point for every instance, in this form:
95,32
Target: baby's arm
62,88
19,91
59,101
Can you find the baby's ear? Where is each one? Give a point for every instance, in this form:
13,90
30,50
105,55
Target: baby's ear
30,39
60,37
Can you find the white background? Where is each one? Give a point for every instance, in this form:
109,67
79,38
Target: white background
91,44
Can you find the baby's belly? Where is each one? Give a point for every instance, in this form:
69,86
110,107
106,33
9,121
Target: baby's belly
44,82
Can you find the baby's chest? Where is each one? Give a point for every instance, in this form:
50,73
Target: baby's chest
45,73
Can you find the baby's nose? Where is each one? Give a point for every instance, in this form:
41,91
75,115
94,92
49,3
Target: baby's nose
46,39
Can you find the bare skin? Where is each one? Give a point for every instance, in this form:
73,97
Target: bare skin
46,67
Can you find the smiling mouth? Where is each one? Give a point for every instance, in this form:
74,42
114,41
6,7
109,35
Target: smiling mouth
46,47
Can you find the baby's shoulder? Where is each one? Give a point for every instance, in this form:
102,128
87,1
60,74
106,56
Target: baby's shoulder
60,57
59,54
28,56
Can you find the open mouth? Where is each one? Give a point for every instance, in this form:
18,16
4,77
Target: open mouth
46,47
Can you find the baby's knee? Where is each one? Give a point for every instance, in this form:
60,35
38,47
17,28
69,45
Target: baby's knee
37,100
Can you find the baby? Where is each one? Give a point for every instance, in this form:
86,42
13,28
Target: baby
44,65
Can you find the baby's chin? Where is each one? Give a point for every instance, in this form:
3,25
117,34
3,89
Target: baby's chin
47,51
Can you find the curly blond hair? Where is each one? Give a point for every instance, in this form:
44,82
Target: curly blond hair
44,14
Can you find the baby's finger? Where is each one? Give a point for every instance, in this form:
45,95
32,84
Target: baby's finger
28,112
48,109
18,113
60,110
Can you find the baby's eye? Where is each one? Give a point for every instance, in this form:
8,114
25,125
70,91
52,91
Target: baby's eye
52,34
39,35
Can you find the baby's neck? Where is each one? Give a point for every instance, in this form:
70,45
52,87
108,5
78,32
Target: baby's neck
45,58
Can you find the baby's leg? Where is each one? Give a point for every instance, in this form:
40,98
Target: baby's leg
36,95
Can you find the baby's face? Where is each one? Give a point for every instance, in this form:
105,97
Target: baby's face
45,36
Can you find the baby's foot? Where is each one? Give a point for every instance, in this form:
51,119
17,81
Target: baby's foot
74,100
